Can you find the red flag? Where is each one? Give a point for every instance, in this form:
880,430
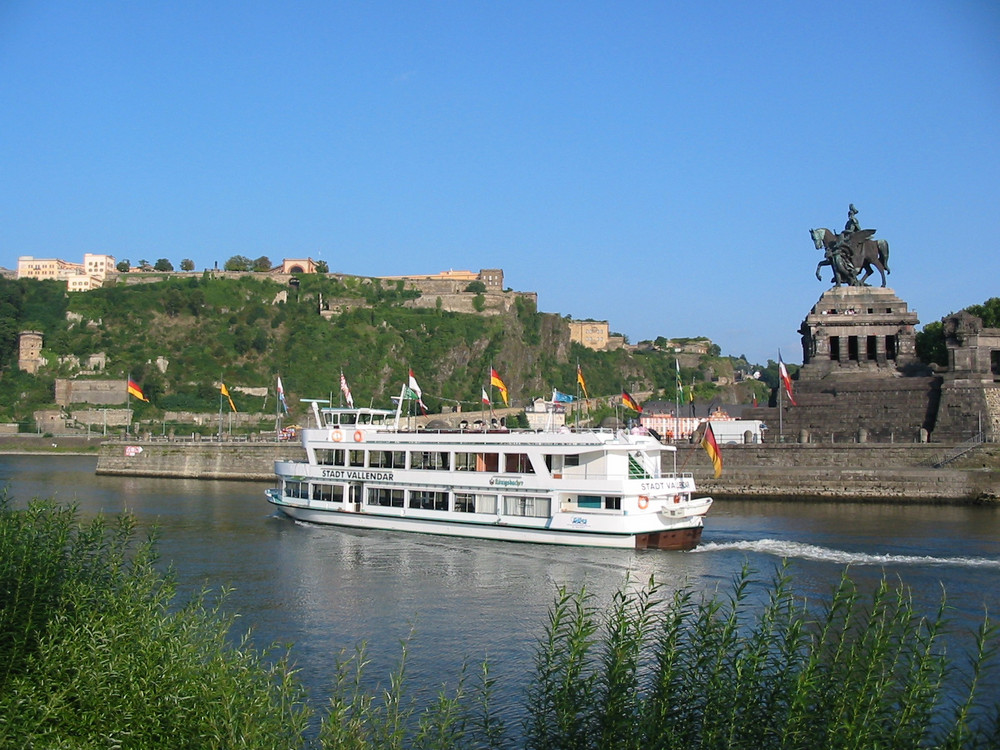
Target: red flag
785,380
630,402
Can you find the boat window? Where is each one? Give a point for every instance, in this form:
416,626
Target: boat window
364,418
487,462
385,497
329,419
517,463
330,493
356,458
297,489
529,506
589,501
330,457
612,503
477,462
465,502
572,459
348,418
429,460
387,459
428,500
486,504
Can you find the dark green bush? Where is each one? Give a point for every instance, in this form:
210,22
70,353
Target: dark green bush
96,654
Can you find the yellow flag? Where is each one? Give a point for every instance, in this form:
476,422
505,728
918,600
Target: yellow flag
225,392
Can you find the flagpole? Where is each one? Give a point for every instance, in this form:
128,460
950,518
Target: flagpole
781,422
576,408
490,377
677,402
220,409
128,402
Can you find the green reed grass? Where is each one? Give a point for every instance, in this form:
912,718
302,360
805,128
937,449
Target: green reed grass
723,671
95,652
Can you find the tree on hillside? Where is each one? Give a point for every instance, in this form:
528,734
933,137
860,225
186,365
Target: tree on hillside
144,265
163,265
123,266
187,264
238,263
262,264
322,267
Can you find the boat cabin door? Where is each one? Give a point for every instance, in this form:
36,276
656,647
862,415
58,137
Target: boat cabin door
356,495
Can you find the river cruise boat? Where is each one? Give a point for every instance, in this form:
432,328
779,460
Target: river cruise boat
602,488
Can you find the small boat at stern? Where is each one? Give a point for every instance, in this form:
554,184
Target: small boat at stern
600,488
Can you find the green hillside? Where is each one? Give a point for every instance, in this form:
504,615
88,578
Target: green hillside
242,332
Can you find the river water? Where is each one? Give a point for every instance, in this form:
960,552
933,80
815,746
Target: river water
325,590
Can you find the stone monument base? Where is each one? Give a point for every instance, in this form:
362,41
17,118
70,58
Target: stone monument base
858,330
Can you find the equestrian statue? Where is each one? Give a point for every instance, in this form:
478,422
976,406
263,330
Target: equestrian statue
851,251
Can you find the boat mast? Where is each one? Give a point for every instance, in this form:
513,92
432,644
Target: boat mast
399,406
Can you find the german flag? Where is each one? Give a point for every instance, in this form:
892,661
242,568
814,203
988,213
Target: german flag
581,381
496,381
135,390
630,402
712,449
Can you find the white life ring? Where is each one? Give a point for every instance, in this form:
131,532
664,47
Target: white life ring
337,436
643,502
358,436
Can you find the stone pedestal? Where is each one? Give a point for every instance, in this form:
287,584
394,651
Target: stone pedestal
862,330
857,345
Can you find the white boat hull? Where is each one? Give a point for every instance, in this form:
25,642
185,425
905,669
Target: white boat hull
686,535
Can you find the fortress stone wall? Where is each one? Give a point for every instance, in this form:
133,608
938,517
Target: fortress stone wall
109,392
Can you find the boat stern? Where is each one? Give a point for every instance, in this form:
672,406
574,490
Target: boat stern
673,539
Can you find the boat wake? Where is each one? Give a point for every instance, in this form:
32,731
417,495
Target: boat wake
800,551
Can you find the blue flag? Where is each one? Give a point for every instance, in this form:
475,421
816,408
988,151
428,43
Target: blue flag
562,397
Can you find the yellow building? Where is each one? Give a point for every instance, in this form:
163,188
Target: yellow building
79,277
593,334
492,278
296,265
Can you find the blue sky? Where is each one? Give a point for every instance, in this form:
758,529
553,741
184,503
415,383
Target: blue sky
654,164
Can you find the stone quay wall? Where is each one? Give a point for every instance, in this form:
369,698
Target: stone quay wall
248,461
849,473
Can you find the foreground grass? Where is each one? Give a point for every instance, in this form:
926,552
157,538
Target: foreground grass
95,652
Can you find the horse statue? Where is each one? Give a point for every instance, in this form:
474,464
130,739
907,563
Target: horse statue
863,253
